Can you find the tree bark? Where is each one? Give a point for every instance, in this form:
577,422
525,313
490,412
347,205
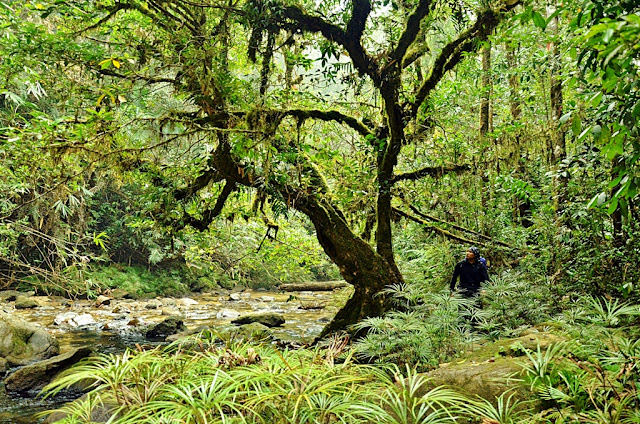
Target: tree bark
485,102
359,264
559,148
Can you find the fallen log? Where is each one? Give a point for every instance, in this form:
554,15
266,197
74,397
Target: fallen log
314,286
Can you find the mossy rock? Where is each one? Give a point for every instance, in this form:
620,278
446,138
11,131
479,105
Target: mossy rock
26,302
167,327
492,369
513,347
487,380
22,342
270,319
29,380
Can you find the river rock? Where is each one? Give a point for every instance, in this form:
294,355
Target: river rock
22,342
167,301
187,333
74,320
170,312
102,300
3,366
25,302
235,296
153,304
185,301
267,299
121,309
171,325
10,295
227,313
255,331
29,380
238,288
120,294
270,319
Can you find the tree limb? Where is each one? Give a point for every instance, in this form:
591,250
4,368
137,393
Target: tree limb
294,19
138,77
411,30
431,171
330,115
454,226
438,230
114,10
210,214
452,53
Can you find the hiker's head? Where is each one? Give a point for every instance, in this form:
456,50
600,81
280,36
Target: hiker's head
473,254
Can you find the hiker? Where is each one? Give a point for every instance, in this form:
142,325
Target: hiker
472,271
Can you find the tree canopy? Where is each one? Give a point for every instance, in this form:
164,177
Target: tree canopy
349,113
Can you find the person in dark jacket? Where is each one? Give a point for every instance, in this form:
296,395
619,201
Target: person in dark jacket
472,273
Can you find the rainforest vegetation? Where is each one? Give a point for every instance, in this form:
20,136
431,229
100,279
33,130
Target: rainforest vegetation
167,146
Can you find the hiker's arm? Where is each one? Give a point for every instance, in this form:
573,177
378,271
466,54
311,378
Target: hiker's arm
456,273
485,273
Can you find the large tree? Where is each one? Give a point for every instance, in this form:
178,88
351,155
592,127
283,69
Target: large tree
216,97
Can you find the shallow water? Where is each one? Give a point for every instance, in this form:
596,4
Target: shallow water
122,324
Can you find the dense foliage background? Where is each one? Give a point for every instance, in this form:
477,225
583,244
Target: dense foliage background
174,146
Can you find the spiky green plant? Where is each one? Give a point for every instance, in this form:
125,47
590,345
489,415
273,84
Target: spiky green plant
608,311
505,410
402,401
198,382
429,332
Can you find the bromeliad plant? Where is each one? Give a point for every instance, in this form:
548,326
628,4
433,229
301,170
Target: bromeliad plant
593,378
431,328
203,381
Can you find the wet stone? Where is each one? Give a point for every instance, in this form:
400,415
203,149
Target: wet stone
24,302
269,319
169,326
103,300
10,295
186,301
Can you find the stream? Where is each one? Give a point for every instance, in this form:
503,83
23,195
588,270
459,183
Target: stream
113,327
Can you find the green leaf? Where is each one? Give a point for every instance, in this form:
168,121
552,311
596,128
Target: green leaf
593,202
576,125
596,130
615,181
611,55
613,206
606,37
539,20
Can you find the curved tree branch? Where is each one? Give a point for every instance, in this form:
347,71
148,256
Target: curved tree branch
137,77
431,171
411,30
445,233
330,115
210,214
294,19
452,53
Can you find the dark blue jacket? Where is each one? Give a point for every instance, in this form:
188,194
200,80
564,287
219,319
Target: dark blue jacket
471,275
